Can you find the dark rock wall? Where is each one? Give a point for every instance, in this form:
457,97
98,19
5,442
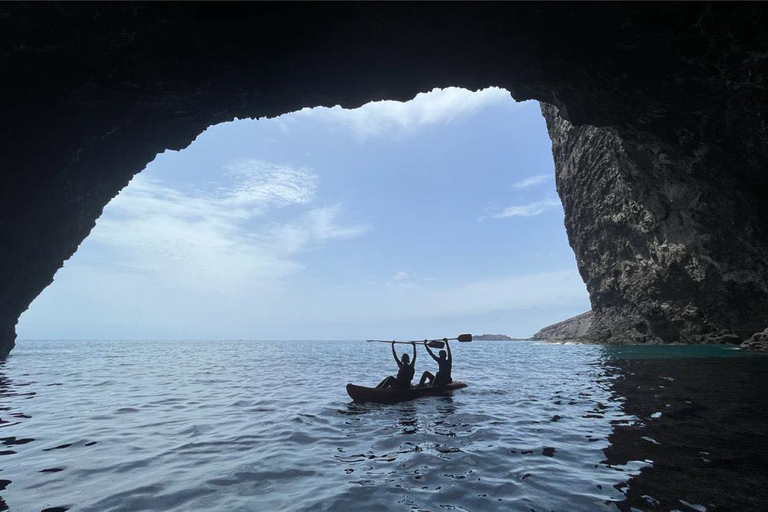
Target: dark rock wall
671,250
91,92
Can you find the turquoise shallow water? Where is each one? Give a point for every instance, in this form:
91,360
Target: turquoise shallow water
260,425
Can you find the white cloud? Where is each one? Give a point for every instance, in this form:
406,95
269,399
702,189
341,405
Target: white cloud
434,300
525,210
400,276
403,280
531,181
222,241
516,292
316,225
439,106
268,184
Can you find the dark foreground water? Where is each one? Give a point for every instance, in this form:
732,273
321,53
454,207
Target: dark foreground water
267,426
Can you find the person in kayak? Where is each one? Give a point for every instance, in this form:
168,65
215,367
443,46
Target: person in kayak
404,374
445,361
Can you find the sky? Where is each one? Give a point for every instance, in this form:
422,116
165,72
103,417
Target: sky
413,220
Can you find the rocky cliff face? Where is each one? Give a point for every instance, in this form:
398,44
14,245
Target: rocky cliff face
670,247
660,140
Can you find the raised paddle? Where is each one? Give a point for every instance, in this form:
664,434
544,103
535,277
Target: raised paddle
464,338
433,343
438,343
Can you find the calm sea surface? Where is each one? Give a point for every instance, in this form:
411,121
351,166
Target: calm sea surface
267,426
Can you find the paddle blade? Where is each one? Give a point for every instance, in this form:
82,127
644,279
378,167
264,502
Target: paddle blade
464,337
436,344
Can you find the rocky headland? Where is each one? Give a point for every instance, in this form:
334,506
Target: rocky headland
575,328
494,337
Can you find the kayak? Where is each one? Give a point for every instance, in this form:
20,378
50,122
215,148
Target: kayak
390,395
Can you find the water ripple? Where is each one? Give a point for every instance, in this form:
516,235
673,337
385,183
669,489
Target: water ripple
177,426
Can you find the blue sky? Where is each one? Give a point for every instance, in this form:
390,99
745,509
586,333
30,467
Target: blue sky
419,219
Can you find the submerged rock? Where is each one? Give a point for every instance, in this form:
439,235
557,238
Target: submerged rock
723,339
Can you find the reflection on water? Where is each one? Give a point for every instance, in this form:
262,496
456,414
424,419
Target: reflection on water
107,426
702,426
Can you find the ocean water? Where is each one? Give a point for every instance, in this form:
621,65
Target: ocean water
267,426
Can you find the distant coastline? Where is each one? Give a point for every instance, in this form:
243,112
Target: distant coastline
497,337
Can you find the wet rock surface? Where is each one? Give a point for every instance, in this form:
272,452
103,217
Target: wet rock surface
758,341
661,149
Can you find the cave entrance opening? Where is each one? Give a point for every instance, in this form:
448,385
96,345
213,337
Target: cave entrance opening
434,216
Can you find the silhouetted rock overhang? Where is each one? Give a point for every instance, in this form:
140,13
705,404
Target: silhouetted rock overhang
675,93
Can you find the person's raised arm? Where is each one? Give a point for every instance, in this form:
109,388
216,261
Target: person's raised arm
394,354
430,352
448,346
413,361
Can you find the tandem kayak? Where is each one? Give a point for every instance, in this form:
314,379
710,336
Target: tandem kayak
390,395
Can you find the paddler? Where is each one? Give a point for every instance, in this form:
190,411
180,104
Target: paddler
404,374
445,361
